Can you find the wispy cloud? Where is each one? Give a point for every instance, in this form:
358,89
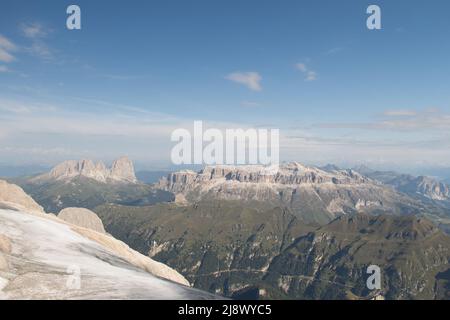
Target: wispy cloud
18,107
121,77
310,75
4,69
250,104
251,80
333,51
400,113
6,43
34,30
401,120
37,33
6,49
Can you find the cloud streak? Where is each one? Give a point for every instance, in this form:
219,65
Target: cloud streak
6,49
36,32
251,80
310,75
401,120
4,69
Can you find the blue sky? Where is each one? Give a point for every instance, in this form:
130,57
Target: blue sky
138,69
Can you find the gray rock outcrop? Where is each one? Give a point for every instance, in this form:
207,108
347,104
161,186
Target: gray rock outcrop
83,218
13,196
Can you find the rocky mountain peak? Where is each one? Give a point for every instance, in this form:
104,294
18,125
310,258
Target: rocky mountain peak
122,170
432,188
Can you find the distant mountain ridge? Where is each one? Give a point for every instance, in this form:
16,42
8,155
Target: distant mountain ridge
424,186
313,194
122,170
83,183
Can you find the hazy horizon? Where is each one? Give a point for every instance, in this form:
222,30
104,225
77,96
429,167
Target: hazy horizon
18,170
338,92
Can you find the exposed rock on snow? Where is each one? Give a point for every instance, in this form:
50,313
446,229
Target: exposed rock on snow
83,218
5,248
46,255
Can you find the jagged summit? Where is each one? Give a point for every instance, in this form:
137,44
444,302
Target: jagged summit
122,170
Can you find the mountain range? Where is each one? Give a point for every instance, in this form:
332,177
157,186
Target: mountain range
302,232
121,171
313,194
416,186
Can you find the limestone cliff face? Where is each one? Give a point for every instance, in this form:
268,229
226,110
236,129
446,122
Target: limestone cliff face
315,194
290,175
122,170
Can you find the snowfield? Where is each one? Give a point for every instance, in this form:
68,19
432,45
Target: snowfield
42,258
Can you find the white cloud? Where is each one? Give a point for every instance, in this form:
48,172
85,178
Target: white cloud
430,119
6,47
17,107
5,56
302,67
6,44
40,49
334,50
400,113
310,75
34,30
38,132
4,69
251,80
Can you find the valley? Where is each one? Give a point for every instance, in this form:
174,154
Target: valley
264,253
